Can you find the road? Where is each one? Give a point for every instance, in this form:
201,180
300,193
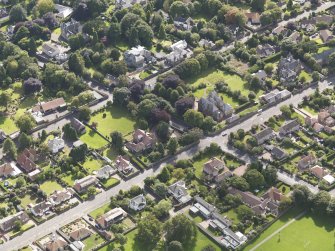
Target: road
278,231
102,198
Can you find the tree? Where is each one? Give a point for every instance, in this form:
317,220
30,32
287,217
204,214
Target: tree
26,123
208,124
161,32
320,202
301,196
9,148
117,140
76,63
145,107
114,32
258,5
91,191
17,13
191,136
193,118
270,175
268,68
69,132
4,99
161,210
84,113
17,225
161,189
25,140
254,178
239,183
32,85
20,182
188,68
180,228
175,246
244,212
149,231
179,9
172,146
121,96
162,131
44,6
78,154
208,248
286,111
171,81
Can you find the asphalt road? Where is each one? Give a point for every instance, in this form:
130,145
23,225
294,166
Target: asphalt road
102,198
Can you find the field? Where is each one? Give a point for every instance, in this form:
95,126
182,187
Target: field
307,233
116,119
92,139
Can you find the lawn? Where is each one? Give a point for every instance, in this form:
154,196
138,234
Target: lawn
306,75
92,164
69,179
198,165
7,125
50,186
293,212
92,139
28,199
132,245
100,211
308,233
92,241
310,110
107,184
211,77
323,48
232,215
117,119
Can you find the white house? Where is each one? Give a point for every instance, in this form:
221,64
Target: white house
329,179
55,145
138,203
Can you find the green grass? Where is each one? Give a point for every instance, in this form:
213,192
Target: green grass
323,48
92,139
28,199
69,179
293,212
107,184
232,215
92,241
310,110
8,125
117,119
144,74
308,233
100,211
306,75
198,165
211,77
92,164
50,186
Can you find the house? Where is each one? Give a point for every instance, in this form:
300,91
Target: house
105,172
289,127
55,145
214,106
59,197
123,165
278,153
264,135
69,29
39,209
125,4
275,96
34,174
261,75
327,19
279,30
253,18
179,192
323,57
309,121
184,24
265,50
329,122
206,43
273,194
329,179
26,160
288,70
50,106
136,57
111,217
318,171
307,161
80,234
55,244
215,170
326,35
317,127
177,54
322,116
142,141
50,49
295,37
8,223
232,240
63,11
7,170
83,184
78,126
203,207
138,203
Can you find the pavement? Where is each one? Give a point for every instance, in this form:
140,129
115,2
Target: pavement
103,198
